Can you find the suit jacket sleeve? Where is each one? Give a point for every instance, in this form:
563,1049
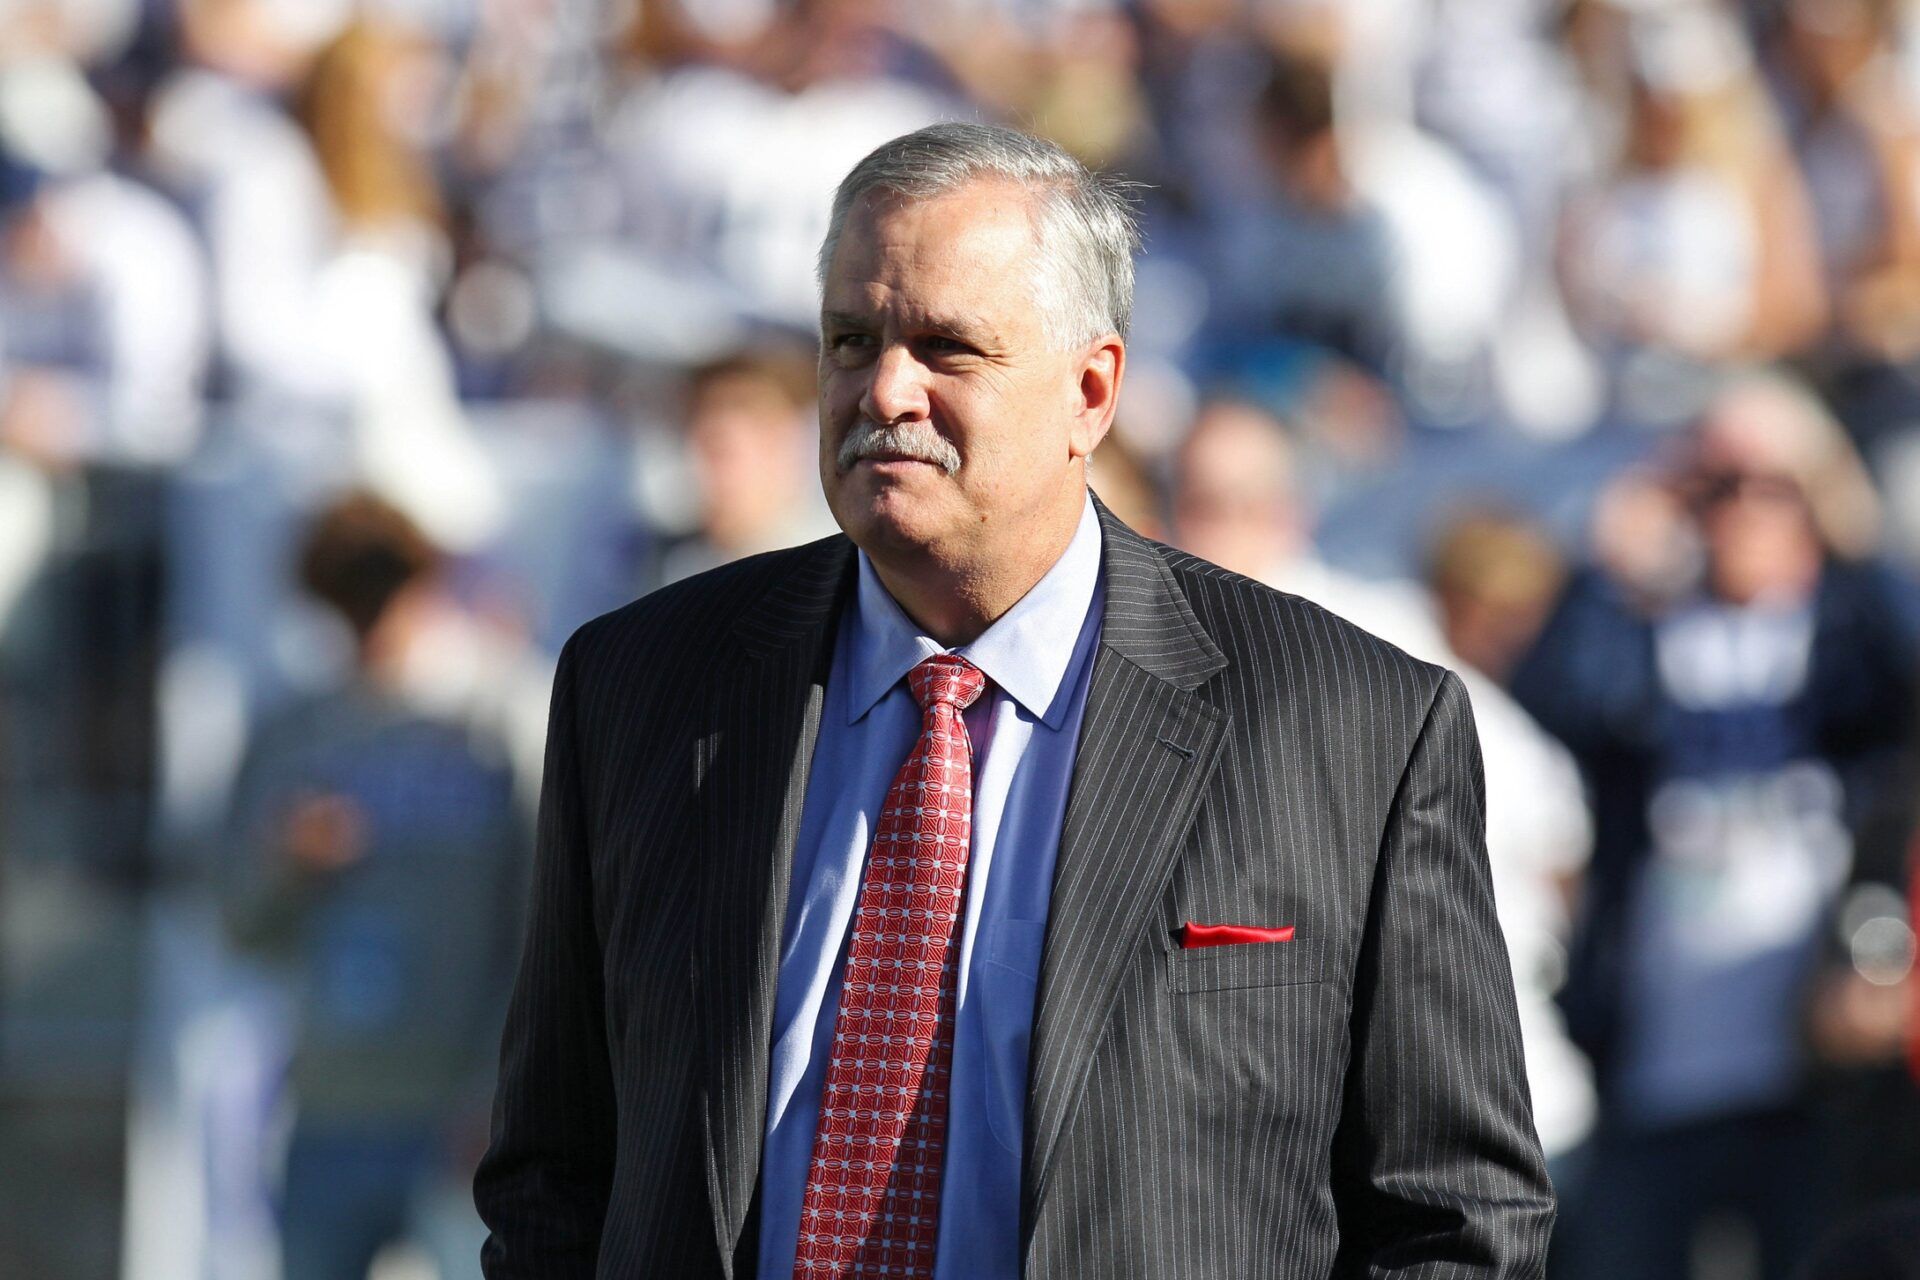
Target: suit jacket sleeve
543,1185
1437,1170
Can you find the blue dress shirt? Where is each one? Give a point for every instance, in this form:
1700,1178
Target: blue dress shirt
1024,733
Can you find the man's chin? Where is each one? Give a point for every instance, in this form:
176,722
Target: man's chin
888,522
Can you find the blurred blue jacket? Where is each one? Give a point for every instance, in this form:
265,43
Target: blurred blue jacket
1590,679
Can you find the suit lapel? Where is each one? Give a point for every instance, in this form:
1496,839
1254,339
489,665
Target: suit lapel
1148,747
750,778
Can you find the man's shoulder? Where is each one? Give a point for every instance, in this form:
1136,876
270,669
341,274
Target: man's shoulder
1288,636
689,618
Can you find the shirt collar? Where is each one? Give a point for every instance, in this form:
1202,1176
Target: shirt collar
1026,651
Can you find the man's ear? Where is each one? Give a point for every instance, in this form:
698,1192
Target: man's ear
1096,394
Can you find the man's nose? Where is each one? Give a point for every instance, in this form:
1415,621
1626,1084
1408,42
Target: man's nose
896,387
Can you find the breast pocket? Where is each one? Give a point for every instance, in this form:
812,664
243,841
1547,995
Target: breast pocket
1009,979
1246,964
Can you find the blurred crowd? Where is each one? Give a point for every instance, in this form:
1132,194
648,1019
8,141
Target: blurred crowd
352,352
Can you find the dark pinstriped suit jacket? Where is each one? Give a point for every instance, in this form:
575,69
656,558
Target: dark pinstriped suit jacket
1349,1103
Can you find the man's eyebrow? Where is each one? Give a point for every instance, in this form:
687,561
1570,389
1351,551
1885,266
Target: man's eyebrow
951,327
965,330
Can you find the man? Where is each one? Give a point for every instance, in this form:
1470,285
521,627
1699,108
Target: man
833,972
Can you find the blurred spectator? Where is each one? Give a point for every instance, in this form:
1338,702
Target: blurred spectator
379,863
1234,493
221,139
1726,710
103,347
1849,103
103,325
1858,141
1695,245
375,295
1493,578
329,251
1238,502
751,438
1314,261
1235,504
1355,233
1488,80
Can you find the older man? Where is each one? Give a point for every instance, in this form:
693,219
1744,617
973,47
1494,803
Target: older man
991,892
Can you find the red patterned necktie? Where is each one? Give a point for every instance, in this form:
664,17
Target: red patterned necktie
872,1203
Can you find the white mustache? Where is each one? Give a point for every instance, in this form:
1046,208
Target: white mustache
915,440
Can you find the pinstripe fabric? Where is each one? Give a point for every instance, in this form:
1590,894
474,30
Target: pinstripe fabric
1349,1103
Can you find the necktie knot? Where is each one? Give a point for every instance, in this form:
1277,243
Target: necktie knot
946,679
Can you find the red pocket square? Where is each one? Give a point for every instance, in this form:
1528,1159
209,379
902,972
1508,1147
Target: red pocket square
1216,935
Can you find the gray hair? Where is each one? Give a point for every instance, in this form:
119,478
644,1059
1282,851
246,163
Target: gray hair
1084,222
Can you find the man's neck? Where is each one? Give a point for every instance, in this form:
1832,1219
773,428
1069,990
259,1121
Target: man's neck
954,602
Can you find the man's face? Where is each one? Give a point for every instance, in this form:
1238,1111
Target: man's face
935,368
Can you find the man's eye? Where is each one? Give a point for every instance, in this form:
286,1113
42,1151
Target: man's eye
847,341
